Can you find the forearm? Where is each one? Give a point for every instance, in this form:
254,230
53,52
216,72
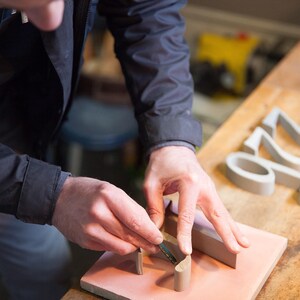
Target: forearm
155,61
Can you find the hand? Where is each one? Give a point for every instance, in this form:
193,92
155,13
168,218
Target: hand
176,169
45,14
99,216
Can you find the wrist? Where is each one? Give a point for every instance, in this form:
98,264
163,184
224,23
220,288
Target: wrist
172,148
61,196
169,144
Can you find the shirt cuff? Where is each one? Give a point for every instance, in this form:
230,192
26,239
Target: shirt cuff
63,177
170,143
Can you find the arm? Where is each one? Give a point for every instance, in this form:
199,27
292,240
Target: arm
27,187
89,212
155,62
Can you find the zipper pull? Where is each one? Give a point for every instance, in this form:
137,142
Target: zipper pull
24,18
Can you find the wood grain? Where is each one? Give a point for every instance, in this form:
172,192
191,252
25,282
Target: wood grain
278,213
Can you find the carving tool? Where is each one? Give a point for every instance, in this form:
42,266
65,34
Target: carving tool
164,249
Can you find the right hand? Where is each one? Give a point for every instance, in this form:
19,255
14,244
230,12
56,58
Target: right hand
176,169
99,216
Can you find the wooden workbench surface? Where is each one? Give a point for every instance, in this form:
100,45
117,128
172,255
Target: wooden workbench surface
278,213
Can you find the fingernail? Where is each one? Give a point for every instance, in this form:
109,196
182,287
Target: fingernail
187,249
157,221
158,240
245,241
236,248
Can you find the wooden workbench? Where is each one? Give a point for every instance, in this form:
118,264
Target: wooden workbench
278,213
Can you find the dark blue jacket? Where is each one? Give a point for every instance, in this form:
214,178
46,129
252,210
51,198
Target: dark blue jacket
155,62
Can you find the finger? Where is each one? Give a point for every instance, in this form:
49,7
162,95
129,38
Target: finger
136,219
222,227
217,214
240,237
112,225
47,17
101,240
186,214
155,206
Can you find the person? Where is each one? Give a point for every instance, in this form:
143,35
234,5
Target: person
40,61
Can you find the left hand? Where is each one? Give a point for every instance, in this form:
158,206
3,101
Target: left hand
45,14
176,169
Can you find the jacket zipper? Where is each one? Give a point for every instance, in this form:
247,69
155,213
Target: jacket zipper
80,17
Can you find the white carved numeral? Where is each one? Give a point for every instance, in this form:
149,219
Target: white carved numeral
261,137
278,116
258,175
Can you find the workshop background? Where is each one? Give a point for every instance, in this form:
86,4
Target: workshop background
233,46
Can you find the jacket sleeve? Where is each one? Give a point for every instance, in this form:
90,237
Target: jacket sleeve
28,187
154,57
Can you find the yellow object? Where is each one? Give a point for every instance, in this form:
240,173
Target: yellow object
233,52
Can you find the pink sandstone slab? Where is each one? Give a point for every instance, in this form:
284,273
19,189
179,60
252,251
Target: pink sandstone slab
114,276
